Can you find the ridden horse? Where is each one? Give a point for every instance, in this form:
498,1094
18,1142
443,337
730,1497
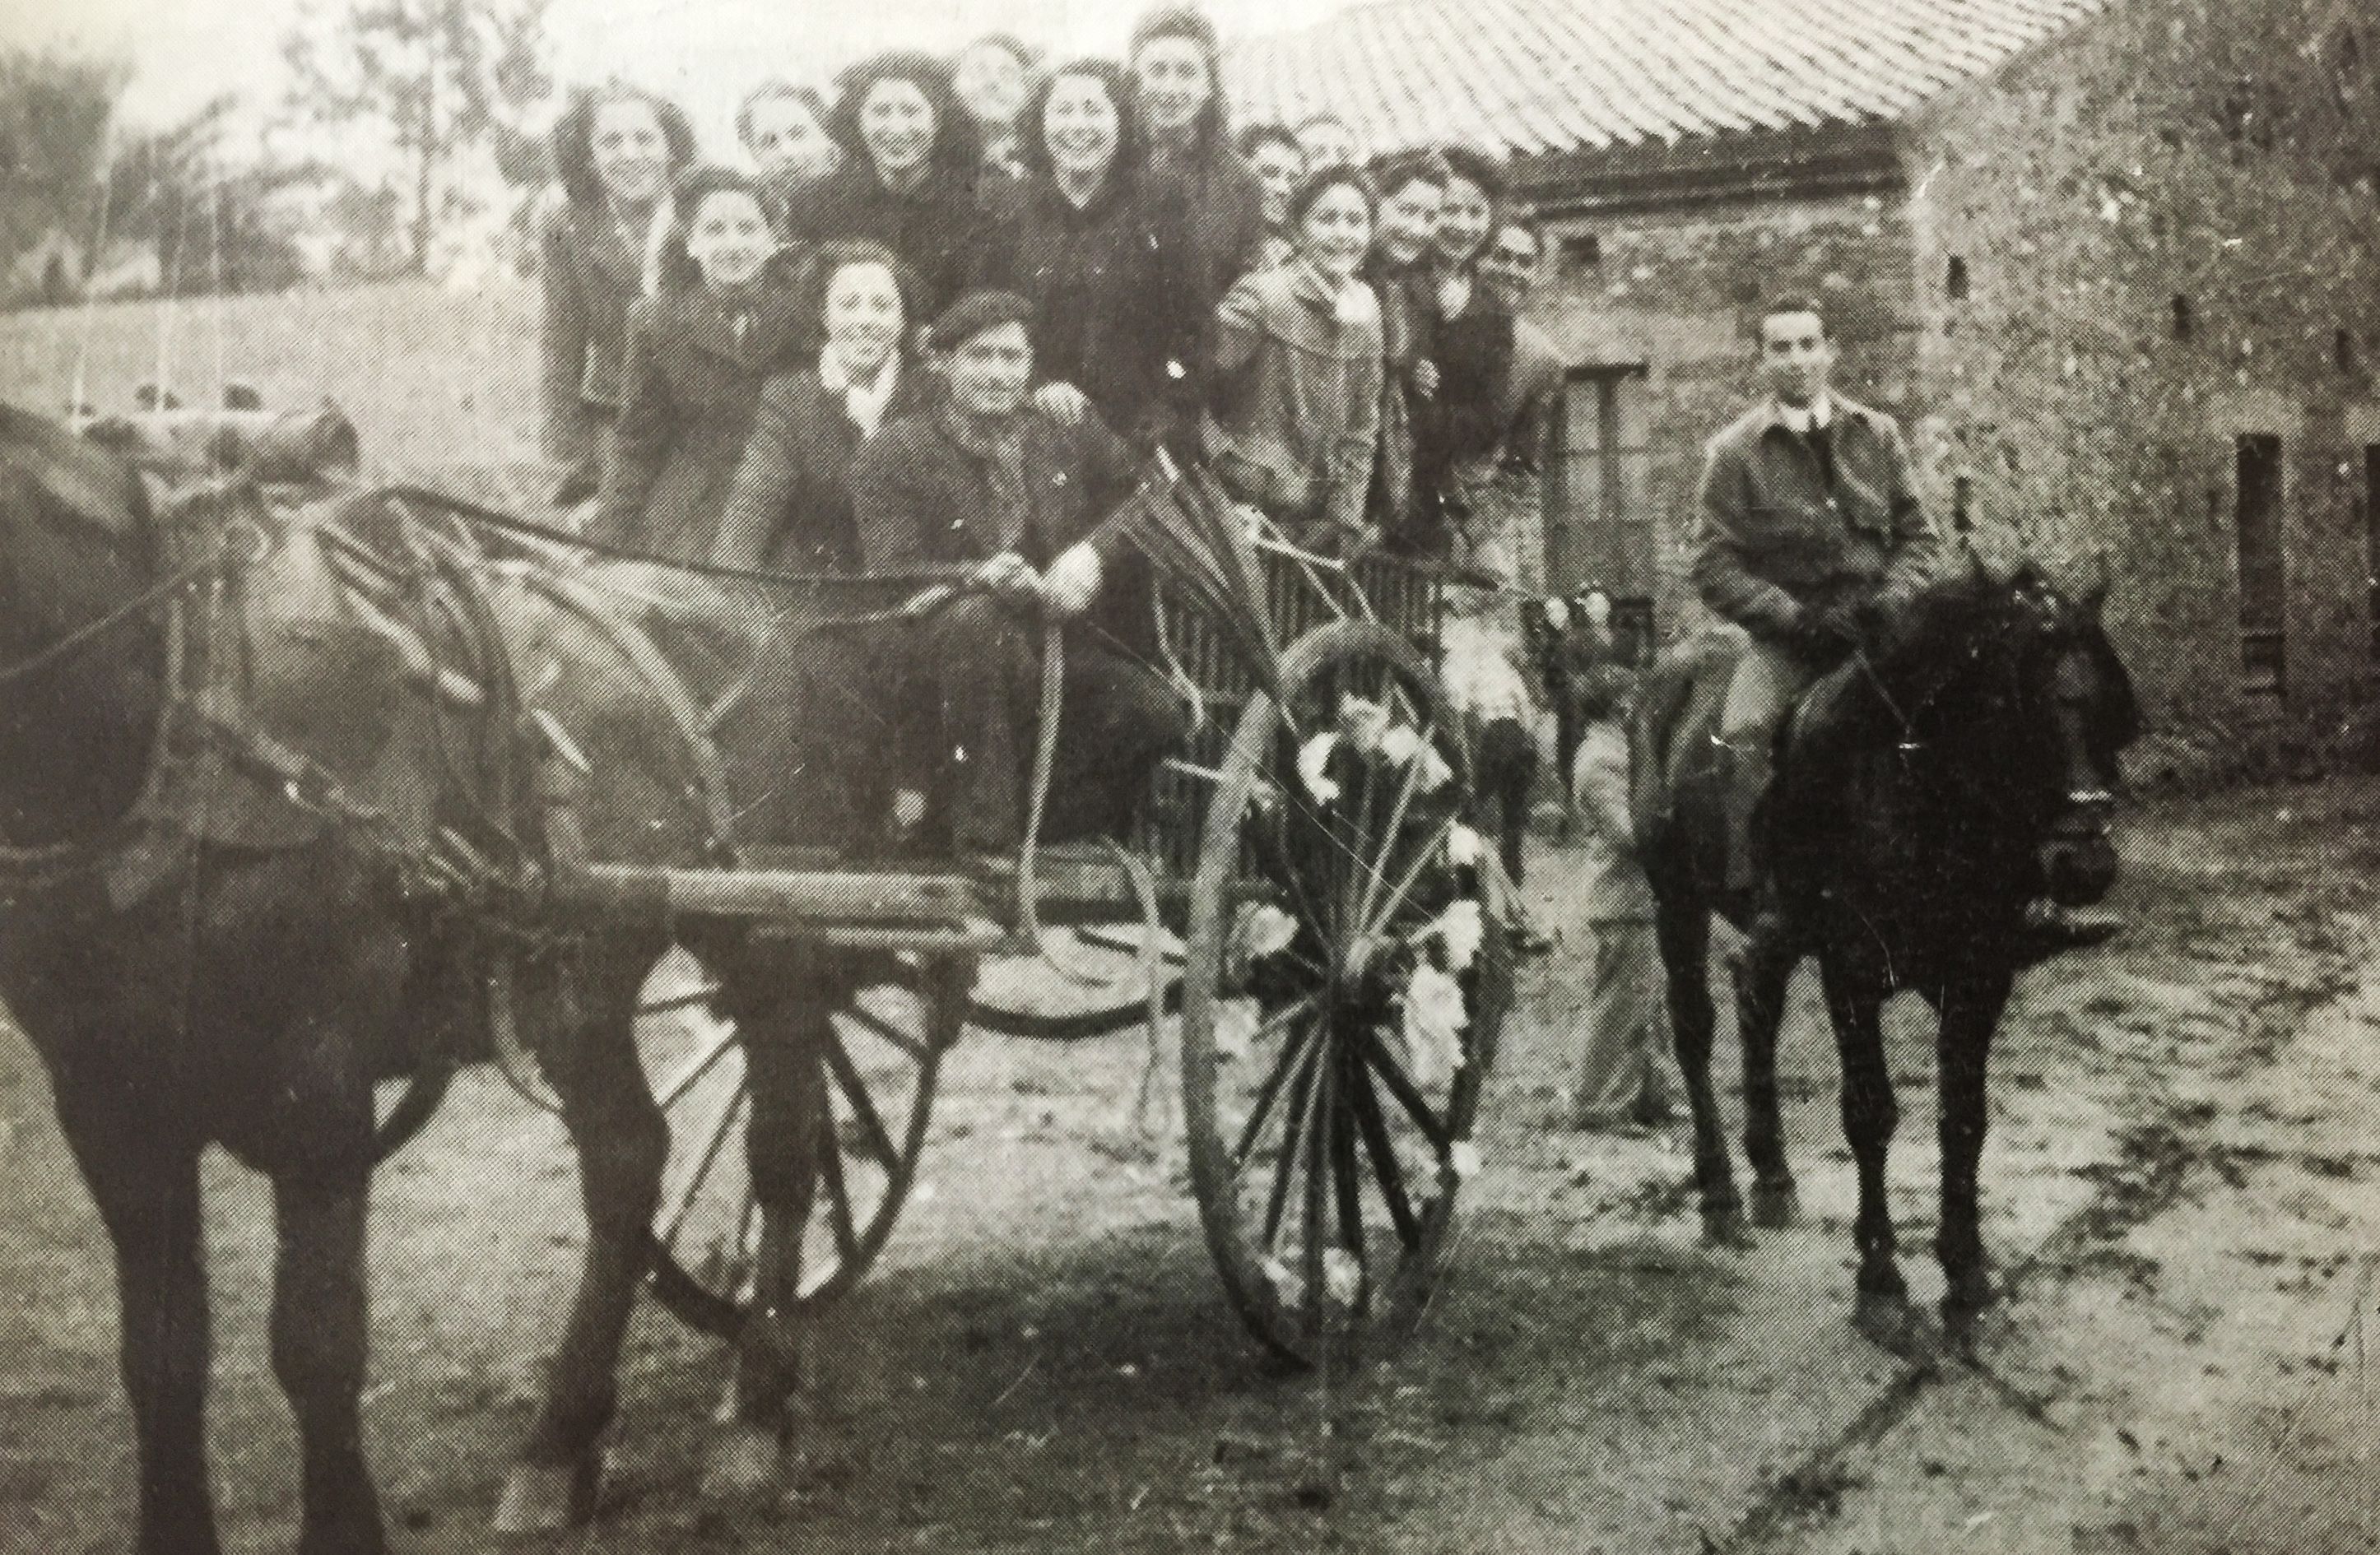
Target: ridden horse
1926,791
187,983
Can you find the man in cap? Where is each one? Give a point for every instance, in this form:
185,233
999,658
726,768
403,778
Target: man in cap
983,489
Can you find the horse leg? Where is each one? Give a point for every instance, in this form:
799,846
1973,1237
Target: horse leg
1870,1115
789,1126
1970,1017
1684,938
1761,980
146,1192
622,1142
320,1322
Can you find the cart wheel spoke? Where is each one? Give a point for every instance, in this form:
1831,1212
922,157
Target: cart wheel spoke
716,1047
1285,1166
1260,1111
1409,1096
1344,1170
877,1025
838,1188
1389,1173
731,1126
855,1096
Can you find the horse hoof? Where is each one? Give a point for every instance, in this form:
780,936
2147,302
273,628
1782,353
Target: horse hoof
549,1497
745,1464
1776,1205
1889,1322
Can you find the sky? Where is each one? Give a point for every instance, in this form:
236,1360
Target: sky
704,52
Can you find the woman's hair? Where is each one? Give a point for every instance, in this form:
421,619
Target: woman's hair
1315,185
958,146
677,271
1392,173
1190,22
1256,137
573,137
1032,129
1483,170
829,260
808,97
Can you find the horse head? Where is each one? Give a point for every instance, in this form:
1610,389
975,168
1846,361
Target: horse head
2075,671
77,693
2008,676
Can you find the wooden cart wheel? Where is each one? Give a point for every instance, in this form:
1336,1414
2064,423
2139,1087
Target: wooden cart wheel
888,1037
1345,987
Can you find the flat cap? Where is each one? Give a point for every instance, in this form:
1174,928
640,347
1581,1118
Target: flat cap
974,312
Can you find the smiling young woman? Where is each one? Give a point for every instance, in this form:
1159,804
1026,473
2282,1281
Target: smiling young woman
614,150
909,173
1298,371
1082,248
698,351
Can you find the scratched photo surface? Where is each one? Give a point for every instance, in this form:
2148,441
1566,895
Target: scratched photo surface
1035,775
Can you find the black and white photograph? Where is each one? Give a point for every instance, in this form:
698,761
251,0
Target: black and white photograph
1118,777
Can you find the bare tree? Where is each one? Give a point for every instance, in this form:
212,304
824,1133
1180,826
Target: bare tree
416,97
177,190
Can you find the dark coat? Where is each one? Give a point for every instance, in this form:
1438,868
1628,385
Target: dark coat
925,501
1407,315
1774,538
936,228
591,274
696,367
1208,212
1090,273
790,509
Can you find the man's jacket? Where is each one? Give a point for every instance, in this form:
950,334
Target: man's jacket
1775,539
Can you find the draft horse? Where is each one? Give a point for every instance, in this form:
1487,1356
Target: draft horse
194,972
1927,790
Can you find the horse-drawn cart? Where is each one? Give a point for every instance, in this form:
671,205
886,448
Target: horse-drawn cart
1307,899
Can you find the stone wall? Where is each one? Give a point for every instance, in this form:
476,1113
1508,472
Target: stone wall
2163,225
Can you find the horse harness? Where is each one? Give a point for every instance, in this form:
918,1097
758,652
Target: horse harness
213,759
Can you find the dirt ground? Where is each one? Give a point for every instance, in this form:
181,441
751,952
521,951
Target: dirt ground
2182,1186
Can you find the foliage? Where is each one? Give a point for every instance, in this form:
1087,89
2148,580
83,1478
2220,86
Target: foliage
176,190
428,102
54,110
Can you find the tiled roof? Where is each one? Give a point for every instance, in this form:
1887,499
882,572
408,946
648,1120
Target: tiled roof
1538,77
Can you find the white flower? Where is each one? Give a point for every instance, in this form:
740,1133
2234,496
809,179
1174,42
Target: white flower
1558,612
1463,1159
1263,930
1463,928
1313,758
1236,1023
1364,722
1287,1288
1463,845
1400,743
1343,1277
1434,1019
1435,773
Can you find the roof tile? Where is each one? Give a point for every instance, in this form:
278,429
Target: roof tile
1536,77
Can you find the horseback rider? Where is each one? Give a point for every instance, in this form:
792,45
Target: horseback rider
1810,536
1808,521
